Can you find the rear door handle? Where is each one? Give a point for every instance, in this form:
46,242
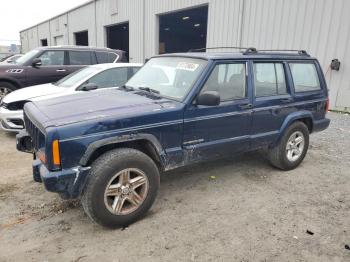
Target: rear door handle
245,106
61,70
287,100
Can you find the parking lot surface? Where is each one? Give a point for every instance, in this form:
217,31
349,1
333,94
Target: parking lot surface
236,209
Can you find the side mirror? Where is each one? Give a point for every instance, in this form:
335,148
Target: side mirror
89,87
208,98
36,62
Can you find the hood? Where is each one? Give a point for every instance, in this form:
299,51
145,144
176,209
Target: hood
86,106
32,92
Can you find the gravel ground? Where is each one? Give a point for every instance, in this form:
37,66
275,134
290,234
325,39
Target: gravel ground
237,209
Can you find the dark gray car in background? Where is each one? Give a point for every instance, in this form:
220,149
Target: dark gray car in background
49,64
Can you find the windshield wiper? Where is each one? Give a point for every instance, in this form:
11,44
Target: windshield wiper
149,90
126,88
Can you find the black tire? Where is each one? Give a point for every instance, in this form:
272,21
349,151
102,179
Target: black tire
7,85
278,154
102,171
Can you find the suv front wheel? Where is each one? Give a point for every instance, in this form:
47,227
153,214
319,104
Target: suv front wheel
6,88
292,148
122,186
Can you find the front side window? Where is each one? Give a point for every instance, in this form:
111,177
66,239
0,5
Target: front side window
171,77
269,79
78,76
54,57
228,80
305,77
114,77
80,58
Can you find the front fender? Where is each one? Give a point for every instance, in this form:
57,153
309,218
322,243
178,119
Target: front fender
292,118
16,82
121,139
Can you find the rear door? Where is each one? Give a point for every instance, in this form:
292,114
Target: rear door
52,69
78,59
310,91
215,131
273,100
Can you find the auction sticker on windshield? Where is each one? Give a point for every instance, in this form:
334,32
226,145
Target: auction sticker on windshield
187,66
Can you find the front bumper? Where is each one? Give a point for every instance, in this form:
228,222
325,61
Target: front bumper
11,121
69,183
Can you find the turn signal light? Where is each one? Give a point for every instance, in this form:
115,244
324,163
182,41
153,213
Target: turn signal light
41,155
56,153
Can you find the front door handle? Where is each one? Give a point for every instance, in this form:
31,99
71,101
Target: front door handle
61,70
245,106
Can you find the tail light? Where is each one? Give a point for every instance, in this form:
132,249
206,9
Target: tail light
327,105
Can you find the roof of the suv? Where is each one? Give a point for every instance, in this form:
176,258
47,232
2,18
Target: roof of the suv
242,55
72,47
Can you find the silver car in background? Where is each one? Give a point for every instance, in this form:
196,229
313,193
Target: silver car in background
91,78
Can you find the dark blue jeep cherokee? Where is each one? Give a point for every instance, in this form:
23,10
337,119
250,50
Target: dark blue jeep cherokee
108,148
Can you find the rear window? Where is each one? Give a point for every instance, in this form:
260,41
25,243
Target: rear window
305,77
80,58
105,57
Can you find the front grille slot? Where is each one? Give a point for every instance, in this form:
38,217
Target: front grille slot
34,132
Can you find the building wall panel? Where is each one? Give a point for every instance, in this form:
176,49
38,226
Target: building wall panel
82,19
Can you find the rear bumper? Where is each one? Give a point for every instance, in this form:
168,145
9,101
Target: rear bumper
320,125
11,121
69,183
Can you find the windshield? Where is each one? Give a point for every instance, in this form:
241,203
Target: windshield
28,56
77,76
171,77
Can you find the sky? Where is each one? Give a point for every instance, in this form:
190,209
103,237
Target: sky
17,15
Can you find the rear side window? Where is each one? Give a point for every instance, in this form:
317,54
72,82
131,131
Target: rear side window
105,57
269,79
305,77
80,58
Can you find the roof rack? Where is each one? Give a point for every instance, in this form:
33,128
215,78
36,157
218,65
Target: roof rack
220,47
252,50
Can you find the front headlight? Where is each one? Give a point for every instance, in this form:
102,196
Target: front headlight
14,106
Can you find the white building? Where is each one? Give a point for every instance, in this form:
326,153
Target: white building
148,27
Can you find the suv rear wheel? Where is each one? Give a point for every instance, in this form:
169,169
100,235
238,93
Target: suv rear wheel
122,186
6,88
292,148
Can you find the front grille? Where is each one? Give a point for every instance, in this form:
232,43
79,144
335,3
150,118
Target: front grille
34,132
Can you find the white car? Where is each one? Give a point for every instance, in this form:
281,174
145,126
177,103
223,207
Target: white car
91,78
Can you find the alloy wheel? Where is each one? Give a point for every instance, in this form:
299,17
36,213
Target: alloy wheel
4,91
295,146
126,191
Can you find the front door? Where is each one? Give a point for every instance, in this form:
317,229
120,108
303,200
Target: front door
51,70
217,131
